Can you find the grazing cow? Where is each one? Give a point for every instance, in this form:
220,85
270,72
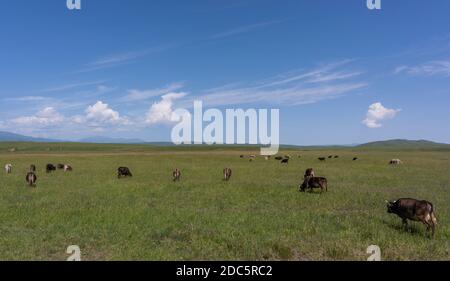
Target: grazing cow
279,158
227,174
60,166
309,173
49,168
336,157
322,158
68,168
8,168
123,172
33,168
285,161
314,182
330,157
414,210
31,179
356,158
395,162
176,175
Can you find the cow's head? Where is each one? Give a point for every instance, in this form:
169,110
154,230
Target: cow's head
390,207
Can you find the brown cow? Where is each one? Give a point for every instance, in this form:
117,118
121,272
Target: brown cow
176,175
227,174
414,210
314,182
31,179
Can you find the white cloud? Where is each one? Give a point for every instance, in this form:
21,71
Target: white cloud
100,113
162,112
138,95
295,88
439,67
377,113
45,117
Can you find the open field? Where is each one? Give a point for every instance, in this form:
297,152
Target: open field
258,215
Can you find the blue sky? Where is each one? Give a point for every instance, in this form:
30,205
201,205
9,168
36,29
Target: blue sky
338,72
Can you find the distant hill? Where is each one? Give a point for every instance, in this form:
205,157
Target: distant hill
11,137
111,140
405,144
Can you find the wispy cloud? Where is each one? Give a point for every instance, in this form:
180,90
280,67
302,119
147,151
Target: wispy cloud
122,58
140,95
244,29
432,68
325,82
69,86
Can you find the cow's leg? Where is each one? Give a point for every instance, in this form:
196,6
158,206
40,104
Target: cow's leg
405,224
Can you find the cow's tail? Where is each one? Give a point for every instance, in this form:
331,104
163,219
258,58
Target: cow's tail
432,214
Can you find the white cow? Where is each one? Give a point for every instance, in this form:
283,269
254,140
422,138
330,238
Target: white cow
395,162
8,168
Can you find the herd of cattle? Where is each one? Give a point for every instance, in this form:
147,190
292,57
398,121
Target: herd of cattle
405,208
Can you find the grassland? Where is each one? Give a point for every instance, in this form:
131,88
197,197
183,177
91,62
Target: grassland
258,215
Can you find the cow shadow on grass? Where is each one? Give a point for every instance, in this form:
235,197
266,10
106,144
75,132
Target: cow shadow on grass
413,228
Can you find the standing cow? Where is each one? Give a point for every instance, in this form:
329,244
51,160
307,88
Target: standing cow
227,174
123,172
50,168
314,182
395,162
8,168
31,179
414,210
176,175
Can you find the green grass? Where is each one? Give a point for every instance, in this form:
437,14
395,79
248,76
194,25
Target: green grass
258,215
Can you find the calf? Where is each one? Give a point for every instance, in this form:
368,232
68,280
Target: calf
309,173
414,210
176,175
123,172
49,168
68,168
314,182
227,174
31,179
8,168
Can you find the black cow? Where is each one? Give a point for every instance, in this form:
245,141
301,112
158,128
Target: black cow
330,157
314,182
50,167
322,158
336,157
176,175
123,172
414,210
285,161
356,158
31,179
